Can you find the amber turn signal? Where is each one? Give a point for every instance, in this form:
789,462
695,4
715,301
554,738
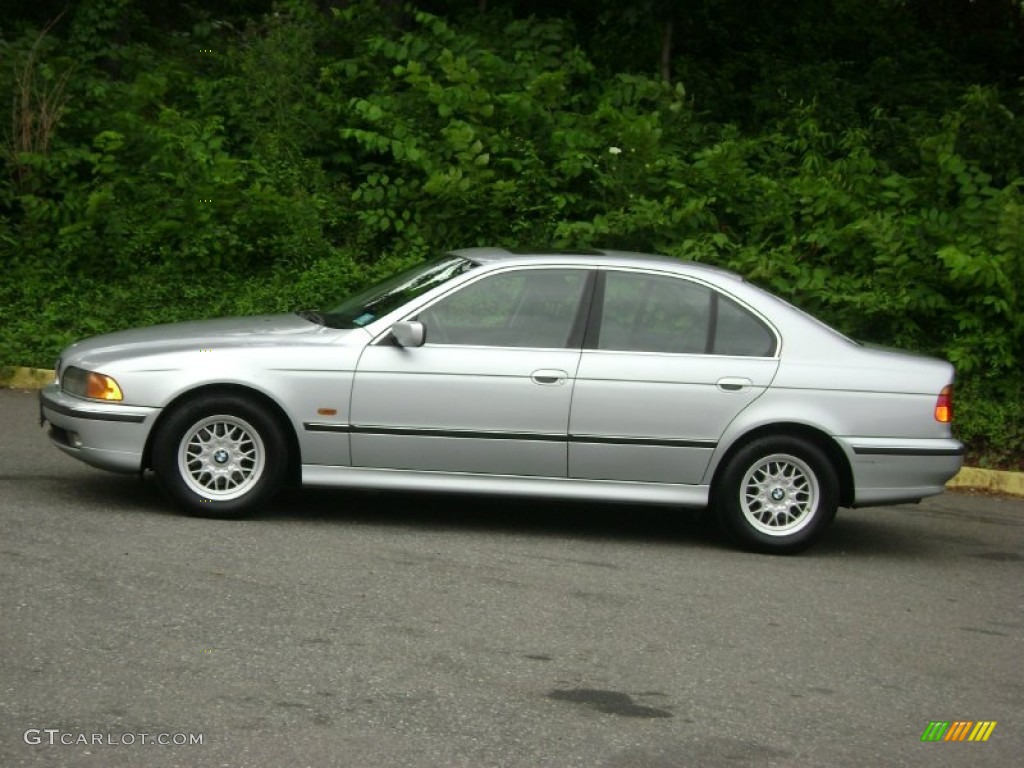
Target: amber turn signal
100,387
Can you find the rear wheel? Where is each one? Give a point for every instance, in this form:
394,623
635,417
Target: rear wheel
777,495
220,456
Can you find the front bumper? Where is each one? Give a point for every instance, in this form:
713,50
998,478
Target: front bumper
106,435
891,471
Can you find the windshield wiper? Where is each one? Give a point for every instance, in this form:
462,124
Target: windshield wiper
312,315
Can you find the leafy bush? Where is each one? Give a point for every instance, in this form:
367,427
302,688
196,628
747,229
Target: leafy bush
989,421
156,172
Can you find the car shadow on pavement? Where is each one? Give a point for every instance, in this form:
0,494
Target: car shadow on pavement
119,493
868,533
534,517
853,534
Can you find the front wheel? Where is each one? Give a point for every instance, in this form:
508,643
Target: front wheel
777,495
220,456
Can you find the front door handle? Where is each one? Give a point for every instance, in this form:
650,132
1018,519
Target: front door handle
549,376
734,384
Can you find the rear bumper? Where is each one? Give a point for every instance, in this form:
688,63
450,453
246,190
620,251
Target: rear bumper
892,471
106,435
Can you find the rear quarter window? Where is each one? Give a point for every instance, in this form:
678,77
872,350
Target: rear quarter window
740,333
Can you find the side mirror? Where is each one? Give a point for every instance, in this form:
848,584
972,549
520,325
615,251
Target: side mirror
409,334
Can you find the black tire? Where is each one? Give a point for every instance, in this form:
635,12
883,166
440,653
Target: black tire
220,456
777,495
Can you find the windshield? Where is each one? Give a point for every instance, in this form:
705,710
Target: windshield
376,301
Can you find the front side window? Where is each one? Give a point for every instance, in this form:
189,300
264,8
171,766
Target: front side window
654,313
525,308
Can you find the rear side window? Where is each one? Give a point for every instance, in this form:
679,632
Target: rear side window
654,313
642,313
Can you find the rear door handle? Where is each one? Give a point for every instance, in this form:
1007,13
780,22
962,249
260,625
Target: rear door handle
549,376
734,384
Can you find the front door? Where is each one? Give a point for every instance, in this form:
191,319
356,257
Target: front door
490,389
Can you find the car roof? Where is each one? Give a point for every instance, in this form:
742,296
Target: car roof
591,257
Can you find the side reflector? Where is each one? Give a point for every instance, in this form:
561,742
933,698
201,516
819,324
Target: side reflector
944,405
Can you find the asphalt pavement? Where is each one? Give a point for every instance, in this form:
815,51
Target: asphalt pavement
372,629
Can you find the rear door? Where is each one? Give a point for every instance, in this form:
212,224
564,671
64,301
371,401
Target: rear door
667,364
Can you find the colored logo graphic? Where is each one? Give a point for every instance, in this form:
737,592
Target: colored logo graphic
958,730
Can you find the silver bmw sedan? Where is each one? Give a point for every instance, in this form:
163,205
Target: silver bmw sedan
590,375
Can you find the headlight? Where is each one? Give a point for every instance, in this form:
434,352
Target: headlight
95,386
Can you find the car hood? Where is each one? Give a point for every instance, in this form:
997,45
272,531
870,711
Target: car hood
259,330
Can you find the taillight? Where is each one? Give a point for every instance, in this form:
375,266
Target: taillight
944,405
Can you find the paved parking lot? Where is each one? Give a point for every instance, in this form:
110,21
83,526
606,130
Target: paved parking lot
385,630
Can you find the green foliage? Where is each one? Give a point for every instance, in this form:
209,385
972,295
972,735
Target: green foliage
990,422
849,158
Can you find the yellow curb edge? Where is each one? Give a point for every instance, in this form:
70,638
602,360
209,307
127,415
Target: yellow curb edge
16,377
1011,483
